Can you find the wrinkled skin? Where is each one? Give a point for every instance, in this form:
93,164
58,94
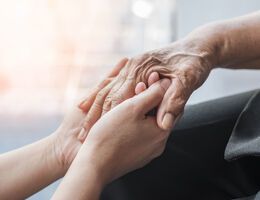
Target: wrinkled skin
182,62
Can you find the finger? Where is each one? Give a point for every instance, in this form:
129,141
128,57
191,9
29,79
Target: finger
140,87
172,105
86,104
151,98
96,109
82,135
115,71
126,91
154,77
118,82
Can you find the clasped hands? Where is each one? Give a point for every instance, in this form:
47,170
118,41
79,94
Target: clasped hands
112,122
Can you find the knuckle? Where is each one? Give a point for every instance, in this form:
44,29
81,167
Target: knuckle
187,77
107,101
171,100
117,98
122,75
100,95
114,101
97,105
176,104
174,101
88,121
106,108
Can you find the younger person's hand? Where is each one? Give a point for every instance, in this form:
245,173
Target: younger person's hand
122,140
126,138
68,138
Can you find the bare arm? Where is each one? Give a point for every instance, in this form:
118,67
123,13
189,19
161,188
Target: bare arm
233,43
242,44
116,145
25,171
28,169
82,180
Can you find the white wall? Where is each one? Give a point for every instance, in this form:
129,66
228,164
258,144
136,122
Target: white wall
222,82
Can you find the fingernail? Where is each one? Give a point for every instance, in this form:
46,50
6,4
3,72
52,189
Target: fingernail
81,104
167,121
165,83
82,134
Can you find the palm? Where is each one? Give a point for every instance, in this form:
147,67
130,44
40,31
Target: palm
69,142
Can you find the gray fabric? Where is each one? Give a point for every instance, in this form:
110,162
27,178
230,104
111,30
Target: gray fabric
253,197
245,138
193,164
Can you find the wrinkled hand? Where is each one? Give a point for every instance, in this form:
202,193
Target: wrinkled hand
186,65
126,138
69,136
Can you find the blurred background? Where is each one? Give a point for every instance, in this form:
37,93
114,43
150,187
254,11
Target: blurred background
53,51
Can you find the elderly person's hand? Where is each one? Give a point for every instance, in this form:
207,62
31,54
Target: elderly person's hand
183,62
187,62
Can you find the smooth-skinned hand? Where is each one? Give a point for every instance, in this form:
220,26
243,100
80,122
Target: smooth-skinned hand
126,138
69,137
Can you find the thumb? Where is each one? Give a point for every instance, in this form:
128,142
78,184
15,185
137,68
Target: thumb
151,97
172,105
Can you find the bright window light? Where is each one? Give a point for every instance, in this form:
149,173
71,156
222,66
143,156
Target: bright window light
142,8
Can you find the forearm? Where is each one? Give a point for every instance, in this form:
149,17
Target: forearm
25,171
82,180
232,43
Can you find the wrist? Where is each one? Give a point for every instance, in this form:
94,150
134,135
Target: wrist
52,156
88,168
89,155
65,146
90,173
82,181
208,41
